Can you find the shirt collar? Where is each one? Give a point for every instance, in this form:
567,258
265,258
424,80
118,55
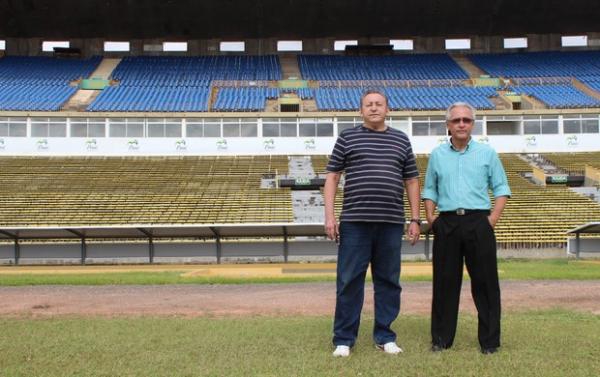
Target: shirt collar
367,129
451,146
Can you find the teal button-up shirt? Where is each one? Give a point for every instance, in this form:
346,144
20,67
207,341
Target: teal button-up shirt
456,179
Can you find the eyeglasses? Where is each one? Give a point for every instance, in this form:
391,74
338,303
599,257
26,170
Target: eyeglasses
458,120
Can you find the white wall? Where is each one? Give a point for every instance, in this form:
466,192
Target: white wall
15,146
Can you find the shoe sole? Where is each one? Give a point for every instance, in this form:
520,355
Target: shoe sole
380,348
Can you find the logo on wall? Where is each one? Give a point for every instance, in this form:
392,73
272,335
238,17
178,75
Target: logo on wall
484,140
572,140
531,141
269,144
133,145
91,144
222,144
42,145
310,144
181,145
442,140
2,144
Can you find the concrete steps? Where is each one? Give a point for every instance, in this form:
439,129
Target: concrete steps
105,69
466,64
528,102
586,89
289,66
309,105
82,98
272,106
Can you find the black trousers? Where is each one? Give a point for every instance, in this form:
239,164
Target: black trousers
470,238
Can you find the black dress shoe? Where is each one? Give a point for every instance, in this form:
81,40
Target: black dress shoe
489,351
438,348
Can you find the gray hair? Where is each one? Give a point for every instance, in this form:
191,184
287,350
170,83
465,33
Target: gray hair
459,104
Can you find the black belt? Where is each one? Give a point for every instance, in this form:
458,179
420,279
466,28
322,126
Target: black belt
462,212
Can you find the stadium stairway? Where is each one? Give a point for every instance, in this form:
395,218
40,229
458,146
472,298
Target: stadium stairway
105,69
585,89
467,65
529,102
308,205
289,66
82,98
501,102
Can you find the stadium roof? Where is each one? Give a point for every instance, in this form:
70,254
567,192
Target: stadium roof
230,19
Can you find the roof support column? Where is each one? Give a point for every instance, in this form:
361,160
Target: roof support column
17,251
219,249
286,246
150,244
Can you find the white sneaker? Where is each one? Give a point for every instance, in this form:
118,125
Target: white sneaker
341,351
390,348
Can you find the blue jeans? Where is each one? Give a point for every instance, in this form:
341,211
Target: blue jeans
361,243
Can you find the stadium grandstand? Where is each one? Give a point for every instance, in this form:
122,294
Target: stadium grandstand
209,135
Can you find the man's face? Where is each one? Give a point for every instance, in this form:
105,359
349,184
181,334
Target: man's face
460,123
373,108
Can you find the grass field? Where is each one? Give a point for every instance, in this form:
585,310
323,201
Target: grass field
551,343
535,343
509,270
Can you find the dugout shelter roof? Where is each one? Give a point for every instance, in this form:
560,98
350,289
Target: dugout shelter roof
162,231
591,227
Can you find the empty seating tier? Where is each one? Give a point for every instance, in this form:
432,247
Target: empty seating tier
40,83
140,190
244,99
574,162
185,83
413,98
540,64
558,96
397,67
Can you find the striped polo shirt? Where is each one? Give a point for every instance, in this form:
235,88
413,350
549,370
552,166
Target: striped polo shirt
376,164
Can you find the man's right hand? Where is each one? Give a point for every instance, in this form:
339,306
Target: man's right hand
430,220
332,229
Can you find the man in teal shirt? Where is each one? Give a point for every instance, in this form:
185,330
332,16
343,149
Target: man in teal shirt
459,175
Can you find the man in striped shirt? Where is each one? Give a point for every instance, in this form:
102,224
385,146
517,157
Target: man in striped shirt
379,163
459,175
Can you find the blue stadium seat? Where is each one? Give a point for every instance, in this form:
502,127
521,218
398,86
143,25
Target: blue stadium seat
40,83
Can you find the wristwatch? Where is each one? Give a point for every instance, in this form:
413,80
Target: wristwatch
418,221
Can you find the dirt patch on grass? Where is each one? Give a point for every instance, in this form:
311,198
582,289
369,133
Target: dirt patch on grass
269,299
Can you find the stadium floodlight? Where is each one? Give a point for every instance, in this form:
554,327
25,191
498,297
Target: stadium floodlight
458,44
515,42
402,44
48,46
232,46
574,41
110,46
341,45
175,46
289,46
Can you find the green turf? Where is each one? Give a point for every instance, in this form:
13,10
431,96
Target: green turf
550,343
509,270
